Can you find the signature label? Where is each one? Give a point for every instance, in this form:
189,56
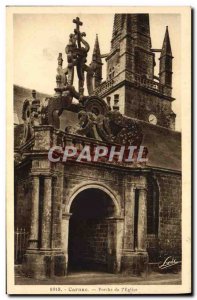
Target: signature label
169,262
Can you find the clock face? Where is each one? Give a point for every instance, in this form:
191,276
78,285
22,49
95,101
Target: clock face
152,119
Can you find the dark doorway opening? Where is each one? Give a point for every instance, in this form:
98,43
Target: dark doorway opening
88,231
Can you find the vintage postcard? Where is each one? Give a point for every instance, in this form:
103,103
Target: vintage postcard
98,150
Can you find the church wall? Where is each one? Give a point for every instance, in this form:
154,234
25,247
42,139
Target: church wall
144,63
169,231
168,241
130,62
170,214
140,104
22,190
75,176
121,92
113,65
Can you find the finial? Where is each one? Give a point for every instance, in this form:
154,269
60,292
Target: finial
166,48
96,51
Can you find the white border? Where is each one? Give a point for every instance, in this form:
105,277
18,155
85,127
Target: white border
3,101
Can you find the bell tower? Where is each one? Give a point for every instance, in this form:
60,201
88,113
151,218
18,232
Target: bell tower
143,94
131,44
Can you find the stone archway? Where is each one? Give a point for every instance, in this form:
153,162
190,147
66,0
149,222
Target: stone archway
94,185
95,231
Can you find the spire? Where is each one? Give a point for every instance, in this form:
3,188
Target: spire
166,48
97,63
117,26
136,26
96,57
165,66
119,23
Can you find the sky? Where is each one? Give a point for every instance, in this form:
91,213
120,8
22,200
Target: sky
39,38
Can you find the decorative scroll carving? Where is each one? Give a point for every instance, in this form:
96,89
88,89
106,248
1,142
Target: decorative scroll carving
117,128
96,105
112,127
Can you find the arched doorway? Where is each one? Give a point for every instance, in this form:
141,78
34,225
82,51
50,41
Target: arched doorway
92,238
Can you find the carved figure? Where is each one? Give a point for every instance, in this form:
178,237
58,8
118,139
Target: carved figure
96,120
110,127
31,115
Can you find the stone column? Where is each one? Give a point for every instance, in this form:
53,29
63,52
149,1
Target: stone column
142,220
64,237
115,241
129,217
134,261
46,213
33,240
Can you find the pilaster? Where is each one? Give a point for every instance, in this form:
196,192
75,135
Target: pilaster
46,213
142,220
33,240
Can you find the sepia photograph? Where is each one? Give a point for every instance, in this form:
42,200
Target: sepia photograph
99,114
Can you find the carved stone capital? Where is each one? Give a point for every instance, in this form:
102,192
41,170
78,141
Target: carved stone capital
66,216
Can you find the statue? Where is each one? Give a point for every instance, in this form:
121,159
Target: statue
31,115
65,91
96,119
76,57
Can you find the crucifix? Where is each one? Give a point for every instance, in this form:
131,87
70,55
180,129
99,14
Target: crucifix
81,54
76,51
77,30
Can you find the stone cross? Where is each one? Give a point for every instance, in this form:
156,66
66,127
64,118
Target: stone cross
77,30
78,23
